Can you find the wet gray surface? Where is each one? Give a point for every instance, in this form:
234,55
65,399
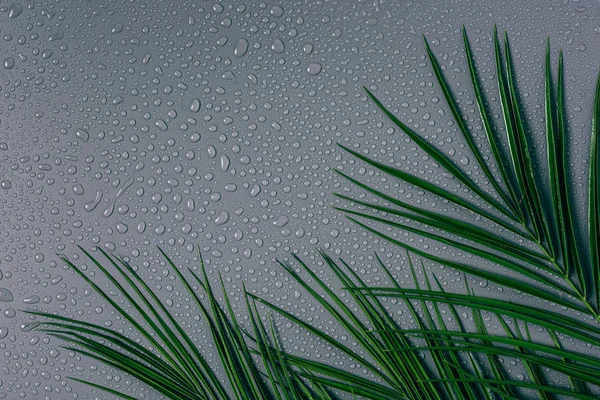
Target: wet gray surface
212,126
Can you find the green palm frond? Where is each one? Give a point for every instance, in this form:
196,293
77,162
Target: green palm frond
536,242
170,361
518,240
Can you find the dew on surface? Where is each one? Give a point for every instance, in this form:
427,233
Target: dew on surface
211,128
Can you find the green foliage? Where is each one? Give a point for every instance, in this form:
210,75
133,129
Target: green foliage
520,241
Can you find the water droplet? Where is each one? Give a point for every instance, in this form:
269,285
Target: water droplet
117,28
277,46
6,295
195,107
314,68
91,205
33,299
255,190
281,221
122,228
222,218
82,134
78,189
241,48
277,11
162,125
15,10
224,163
9,63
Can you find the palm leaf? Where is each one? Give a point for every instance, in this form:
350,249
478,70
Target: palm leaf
176,368
538,270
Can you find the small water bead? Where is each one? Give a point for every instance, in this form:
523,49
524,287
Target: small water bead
5,184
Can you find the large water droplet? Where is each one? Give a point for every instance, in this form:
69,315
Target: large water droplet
222,218
15,10
241,48
6,295
277,46
314,68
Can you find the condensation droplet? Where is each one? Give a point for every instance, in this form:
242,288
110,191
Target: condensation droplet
277,46
6,295
15,10
241,48
9,63
222,218
82,134
314,68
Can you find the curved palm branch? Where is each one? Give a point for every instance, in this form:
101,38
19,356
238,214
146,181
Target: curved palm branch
543,254
167,359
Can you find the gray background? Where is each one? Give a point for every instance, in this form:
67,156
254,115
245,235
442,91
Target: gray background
212,126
